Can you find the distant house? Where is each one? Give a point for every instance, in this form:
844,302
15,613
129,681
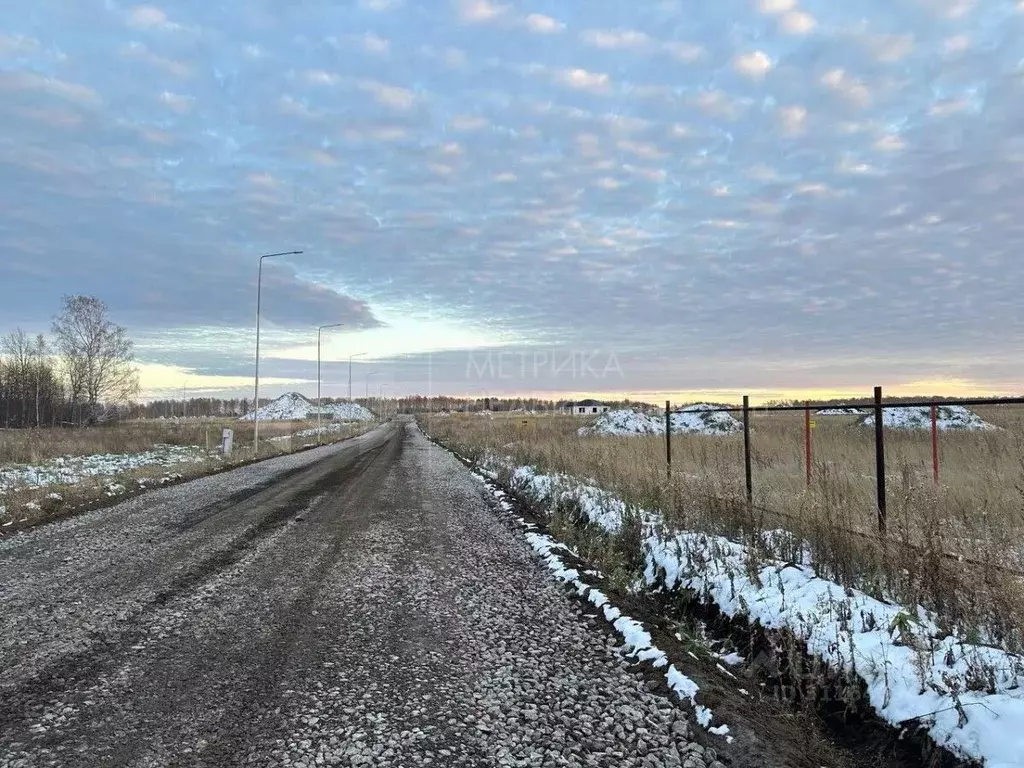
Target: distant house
586,408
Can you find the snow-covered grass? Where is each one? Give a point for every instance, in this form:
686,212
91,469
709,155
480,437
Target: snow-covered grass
327,429
699,419
947,417
840,412
69,470
968,695
333,429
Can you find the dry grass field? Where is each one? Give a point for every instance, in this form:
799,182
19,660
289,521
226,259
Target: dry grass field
110,450
956,548
30,446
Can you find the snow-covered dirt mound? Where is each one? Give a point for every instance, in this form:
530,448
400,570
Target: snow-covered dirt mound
704,419
296,407
695,419
841,412
289,407
949,417
345,412
624,422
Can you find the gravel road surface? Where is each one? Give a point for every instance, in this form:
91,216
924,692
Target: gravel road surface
356,605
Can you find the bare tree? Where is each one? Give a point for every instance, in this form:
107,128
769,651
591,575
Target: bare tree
30,389
96,355
17,347
39,354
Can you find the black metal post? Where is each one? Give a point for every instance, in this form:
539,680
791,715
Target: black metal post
668,438
746,450
880,459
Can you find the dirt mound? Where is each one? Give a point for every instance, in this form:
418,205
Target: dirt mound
949,417
700,419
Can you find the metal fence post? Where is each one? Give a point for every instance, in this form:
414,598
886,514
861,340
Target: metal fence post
935,443
808,456
746,450
668,438
880,460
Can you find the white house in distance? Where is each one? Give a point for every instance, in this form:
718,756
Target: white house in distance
586,408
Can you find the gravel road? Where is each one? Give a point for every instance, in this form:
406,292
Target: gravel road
356,605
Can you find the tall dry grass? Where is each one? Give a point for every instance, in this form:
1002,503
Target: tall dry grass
956,548
32,446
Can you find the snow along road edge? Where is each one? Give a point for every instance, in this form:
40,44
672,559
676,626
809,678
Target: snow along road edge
973,724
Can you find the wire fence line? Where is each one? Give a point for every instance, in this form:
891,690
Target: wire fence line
924,403
884,542
955,526
875,408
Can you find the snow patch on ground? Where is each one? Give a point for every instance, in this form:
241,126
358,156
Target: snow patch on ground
326,429
910,669
914,672
700,419
949,417
68,470
332,428
599,506
840,412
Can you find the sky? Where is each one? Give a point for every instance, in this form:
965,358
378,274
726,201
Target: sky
774,197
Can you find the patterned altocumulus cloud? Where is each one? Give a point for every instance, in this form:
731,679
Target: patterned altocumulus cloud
740,194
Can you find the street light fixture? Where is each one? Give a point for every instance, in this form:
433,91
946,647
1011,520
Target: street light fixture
358,354
259,297
319,399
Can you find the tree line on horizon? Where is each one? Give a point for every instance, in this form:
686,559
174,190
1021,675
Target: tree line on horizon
218,408
82,374
214,408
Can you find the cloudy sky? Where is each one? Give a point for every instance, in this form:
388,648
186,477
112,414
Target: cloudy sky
766,196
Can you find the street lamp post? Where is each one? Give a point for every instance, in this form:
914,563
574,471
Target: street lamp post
366,394
358,354
259,297
319,399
